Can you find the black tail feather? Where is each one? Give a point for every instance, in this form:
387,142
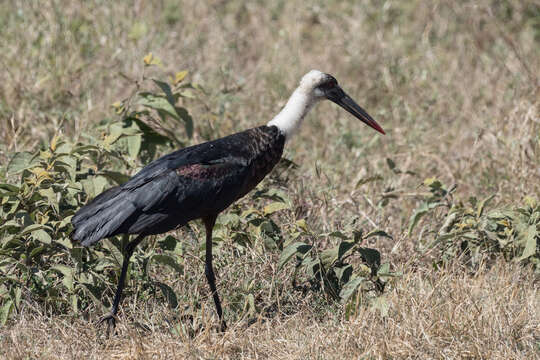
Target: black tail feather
102,217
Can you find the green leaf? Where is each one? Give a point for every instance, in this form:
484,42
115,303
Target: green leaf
344,273
158,103
9,189
88,187
99,184
530,239
74,303
16,294
482,204
138,30
433,183
271,234
249,305
329,256
31,228
19,162
339,235
134,145
67,272
378,233
499,214
37,251
168,243
291,250
150,135
5,311
384,269
166,90
65,221
10,224
381,304
350,288
11,242
85,149
188,120
385,274
418,213
187,93
169,261
49,194
169,294
229,219
371,256
115,249
62,269
42,236
116,130
313,266
69,164
104,263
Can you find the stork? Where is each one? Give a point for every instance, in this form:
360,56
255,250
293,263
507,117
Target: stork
200,181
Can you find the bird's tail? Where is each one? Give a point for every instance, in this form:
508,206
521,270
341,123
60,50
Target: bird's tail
102,217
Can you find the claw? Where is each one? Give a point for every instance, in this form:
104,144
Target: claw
111,319
223,326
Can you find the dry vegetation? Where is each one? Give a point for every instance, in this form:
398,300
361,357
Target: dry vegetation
450,315
454,84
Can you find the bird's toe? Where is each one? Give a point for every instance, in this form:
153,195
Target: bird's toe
110,319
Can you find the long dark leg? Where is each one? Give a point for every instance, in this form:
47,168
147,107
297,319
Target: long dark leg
208,269
110,318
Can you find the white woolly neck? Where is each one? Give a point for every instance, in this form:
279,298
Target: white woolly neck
290,117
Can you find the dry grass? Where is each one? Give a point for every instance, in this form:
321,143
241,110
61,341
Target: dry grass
454,84
493,315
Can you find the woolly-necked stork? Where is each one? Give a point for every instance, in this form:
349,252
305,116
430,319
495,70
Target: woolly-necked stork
200,181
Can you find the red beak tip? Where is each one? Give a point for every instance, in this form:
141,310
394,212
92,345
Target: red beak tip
378,128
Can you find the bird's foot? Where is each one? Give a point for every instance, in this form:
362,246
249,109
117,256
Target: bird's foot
110,319
222,326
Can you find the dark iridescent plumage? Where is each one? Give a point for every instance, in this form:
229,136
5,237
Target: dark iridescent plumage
187,184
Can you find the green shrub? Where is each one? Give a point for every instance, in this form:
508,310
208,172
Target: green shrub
475,234
342,271
37,257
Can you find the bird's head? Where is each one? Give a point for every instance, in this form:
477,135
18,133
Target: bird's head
319,86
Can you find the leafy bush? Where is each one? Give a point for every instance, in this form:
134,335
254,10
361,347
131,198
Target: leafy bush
335,270
474,234
37,258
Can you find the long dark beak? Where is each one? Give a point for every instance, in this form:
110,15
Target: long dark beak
339,96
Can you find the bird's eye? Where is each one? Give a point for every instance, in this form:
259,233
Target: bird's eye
328,85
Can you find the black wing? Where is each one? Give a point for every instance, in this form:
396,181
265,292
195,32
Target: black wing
187,184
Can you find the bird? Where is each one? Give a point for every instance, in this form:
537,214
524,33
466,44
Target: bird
201,181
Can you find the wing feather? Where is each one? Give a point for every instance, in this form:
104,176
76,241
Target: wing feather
187,184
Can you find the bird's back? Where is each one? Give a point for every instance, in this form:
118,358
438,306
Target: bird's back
184,185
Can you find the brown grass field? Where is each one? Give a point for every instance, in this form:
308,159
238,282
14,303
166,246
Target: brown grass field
455,84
